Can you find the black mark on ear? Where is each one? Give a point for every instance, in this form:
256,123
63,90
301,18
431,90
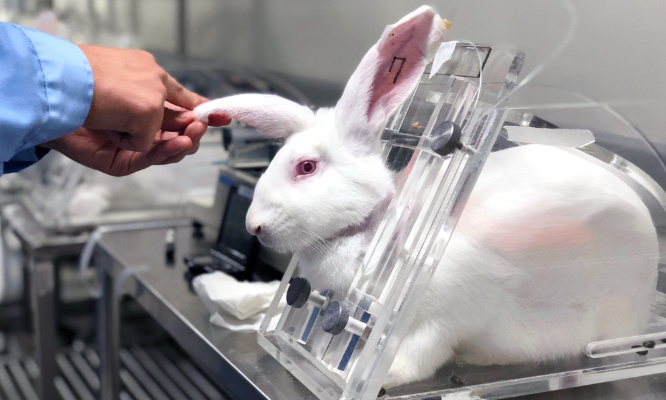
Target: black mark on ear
402,62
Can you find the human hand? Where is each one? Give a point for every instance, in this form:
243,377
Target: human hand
130,90
178,136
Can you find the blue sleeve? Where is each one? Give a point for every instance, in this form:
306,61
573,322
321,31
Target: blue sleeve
46,88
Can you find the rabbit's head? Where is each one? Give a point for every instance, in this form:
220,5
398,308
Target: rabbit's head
329,176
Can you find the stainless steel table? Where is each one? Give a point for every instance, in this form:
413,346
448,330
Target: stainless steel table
42,248
133,263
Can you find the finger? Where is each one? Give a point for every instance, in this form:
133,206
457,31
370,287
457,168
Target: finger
176,120
112,136
141,143
142,132
175,159
174,107
179,96
160,152
193,149
195,131
167,135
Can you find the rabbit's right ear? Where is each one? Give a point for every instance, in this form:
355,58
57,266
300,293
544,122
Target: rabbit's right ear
387,74
270,114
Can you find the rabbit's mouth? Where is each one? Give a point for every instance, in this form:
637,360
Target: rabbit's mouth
302,239
265,240
278,244
270,242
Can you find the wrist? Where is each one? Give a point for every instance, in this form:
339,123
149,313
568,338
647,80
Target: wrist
55,144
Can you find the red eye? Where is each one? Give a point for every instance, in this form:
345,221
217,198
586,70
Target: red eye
306,167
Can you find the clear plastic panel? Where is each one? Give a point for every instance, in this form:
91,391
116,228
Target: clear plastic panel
412,236
411,241
601,361
604,360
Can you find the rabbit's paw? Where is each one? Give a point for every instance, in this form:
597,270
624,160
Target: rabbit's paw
418,357
404,371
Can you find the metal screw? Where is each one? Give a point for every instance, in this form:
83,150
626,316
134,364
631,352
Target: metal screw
336,317
446,138
298,292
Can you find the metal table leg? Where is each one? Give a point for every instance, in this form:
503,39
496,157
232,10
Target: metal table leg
43,304
108,322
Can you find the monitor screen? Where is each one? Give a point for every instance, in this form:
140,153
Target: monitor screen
234,240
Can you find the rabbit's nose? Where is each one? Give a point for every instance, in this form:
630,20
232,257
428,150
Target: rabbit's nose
255,222
255,229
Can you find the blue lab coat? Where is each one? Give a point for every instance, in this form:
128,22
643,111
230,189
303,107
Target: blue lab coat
46,88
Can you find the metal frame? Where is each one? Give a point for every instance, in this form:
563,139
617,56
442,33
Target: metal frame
41,251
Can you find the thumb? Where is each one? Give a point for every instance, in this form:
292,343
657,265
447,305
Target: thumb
178,95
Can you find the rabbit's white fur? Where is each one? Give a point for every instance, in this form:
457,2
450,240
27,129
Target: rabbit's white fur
551,252
292,214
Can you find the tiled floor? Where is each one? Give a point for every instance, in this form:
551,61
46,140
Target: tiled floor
147,372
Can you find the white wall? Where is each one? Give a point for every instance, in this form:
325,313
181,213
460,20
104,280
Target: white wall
617,54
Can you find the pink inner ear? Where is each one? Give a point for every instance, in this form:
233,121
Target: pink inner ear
402,55
218,119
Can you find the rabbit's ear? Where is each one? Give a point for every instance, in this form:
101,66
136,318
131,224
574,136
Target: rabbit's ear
272,115
388,73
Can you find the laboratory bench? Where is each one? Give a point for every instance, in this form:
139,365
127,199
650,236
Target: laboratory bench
42,249
134,264
47,371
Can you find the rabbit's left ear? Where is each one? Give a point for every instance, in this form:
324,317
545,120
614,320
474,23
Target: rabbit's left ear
270,114
388,73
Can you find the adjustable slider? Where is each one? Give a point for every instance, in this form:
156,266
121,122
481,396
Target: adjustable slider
300,292
336,319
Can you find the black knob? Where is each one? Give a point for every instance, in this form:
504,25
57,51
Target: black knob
446,138
170,254
335,318
298,292
197,231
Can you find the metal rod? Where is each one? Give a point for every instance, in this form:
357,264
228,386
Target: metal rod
108,321
43,301
182,27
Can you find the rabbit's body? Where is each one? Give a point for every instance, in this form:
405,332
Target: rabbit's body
552,250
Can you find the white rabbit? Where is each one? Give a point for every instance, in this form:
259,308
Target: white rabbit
551,252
